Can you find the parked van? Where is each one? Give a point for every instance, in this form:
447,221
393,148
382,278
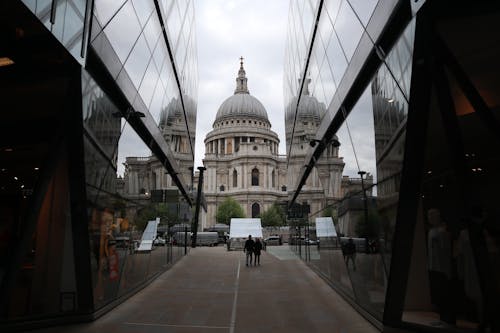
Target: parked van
180,236
208,238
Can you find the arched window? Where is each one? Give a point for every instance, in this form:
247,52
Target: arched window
235,178
255,177
255,210
273,181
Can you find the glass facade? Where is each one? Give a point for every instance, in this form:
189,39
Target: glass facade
97,146
117,220
400,152
142,64
66,20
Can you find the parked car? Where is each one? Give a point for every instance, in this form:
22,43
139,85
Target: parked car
309,241
159,241
303,241
273,240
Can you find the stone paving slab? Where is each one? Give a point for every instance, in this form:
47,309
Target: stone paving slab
211,290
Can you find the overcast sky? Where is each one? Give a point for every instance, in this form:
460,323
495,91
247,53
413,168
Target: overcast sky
226,30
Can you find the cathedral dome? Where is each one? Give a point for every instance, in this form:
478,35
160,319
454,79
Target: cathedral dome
241,104
309,107
173,111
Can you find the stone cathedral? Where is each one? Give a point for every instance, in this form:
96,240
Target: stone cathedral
242,159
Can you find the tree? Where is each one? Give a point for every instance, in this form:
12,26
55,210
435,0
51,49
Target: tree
331,212
151,212
273,216
368,229
228,209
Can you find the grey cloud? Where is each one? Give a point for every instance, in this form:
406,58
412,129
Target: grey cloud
226,31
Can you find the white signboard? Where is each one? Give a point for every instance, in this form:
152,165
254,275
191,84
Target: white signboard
241,228
149,235
325,227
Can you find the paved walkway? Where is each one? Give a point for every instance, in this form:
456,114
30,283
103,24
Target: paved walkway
211,290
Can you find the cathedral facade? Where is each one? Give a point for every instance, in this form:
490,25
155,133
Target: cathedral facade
241,156
242,159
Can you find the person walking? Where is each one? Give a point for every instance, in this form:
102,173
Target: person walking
248,249
350,253
256,252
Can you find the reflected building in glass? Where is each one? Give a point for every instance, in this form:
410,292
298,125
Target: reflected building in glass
407,123
97,140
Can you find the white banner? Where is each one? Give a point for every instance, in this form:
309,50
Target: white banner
325,227
241,228
149,235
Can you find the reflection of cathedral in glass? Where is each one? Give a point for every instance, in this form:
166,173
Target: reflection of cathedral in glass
302,125
144,174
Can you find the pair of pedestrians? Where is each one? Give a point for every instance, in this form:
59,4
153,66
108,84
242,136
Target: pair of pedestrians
252,248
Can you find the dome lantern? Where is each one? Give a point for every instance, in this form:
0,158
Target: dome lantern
241,80
242,105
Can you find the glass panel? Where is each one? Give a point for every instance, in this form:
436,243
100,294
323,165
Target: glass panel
327,84
123,31
479,66
120,174
43,10
167,6
160,53
349,29
336,58
152,32
457,230
31,4
157,101
356,213
148,84
73,27
332,9
308,16
105,9
58,27
174,24
137,61
400,58
364,9
359,174
446,277
143,8
171,108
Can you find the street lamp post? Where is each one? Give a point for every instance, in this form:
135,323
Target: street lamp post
191,190
365,205
198,202
191,169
